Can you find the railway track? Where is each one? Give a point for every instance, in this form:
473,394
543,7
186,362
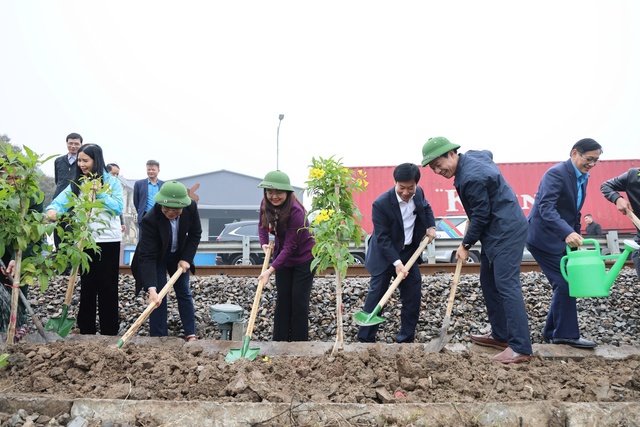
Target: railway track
354,271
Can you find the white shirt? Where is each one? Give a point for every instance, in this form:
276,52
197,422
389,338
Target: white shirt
408,211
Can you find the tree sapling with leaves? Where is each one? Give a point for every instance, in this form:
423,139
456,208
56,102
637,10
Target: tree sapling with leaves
336,223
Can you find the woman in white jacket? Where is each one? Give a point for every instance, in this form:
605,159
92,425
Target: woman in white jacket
101,281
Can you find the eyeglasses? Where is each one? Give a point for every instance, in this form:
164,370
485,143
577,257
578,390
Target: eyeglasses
590,160
166,209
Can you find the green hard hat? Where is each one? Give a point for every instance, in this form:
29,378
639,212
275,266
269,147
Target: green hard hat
276,180
436,147
172,194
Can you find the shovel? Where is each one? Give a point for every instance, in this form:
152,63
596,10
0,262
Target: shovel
246,352
438,343
363,318
25,302
152,306
61,325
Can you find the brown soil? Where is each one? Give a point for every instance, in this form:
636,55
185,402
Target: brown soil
95,369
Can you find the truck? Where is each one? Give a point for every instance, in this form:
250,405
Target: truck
524,178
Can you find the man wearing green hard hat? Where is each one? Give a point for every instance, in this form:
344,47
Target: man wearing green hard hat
171,233
497,221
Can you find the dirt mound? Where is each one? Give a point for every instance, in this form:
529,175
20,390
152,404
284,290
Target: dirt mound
97,369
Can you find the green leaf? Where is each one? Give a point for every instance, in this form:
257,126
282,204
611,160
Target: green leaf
4,360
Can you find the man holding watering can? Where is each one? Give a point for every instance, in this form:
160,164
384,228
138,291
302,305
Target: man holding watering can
628,182
554,224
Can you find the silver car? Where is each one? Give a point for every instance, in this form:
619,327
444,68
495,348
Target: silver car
454,227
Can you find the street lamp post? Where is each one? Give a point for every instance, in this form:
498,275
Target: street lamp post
280,117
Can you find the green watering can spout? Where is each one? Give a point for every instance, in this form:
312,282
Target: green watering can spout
585,270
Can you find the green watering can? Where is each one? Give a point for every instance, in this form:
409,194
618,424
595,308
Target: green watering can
585,271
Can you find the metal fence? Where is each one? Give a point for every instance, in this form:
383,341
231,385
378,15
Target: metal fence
611,243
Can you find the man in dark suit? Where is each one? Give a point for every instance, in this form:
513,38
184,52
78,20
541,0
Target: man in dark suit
144,191
402,217
171,233
64,167
554,224
497,221
593,228
64,172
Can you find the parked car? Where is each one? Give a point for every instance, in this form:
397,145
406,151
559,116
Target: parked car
235,231
454,227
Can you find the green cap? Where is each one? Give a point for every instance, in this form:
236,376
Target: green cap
276,180
436,147
172,194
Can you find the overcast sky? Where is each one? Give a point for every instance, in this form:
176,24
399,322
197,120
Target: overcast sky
199,85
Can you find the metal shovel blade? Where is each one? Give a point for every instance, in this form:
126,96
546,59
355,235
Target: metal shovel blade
437,344
61,325
363,318
242,353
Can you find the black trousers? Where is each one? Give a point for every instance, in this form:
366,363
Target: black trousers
99,291
291,318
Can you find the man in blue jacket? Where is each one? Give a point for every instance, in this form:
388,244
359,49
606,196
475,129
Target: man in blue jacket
144,191
554,224
402,217
497,221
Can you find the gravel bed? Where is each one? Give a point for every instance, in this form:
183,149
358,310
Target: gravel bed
613,320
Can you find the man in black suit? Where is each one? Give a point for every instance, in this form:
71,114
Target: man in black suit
593,228
64,167
402,217
171,233
64,172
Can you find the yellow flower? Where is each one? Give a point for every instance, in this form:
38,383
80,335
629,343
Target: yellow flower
316,173
324,215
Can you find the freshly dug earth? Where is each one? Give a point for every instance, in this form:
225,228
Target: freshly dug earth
96,369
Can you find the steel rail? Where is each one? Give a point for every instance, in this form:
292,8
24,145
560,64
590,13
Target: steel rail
353,271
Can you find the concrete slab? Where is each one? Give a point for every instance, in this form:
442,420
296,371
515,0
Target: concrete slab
210,414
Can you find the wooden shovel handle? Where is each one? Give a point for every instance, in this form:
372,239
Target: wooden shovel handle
634,218
152,306
454,286
256,299
423,244
74,273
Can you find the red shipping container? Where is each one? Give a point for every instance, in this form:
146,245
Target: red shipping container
523,178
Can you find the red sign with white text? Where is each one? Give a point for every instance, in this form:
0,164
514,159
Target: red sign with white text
523,178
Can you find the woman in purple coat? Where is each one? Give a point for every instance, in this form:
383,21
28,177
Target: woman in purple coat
282,215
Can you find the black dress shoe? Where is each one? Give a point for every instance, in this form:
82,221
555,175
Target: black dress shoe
544,336
575,342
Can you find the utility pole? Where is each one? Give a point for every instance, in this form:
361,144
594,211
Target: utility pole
280,117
